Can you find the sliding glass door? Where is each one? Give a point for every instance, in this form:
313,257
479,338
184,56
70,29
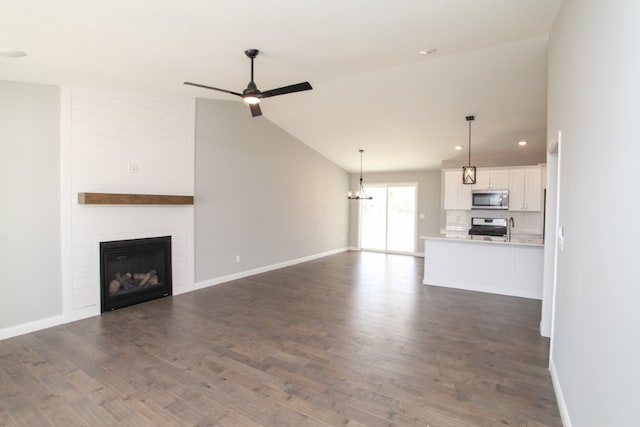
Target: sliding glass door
388,222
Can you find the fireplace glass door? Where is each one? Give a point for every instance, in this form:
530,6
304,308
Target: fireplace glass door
134,271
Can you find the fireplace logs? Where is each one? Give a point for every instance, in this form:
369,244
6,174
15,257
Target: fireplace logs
128,282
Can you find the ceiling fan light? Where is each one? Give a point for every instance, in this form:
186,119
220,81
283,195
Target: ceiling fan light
251,100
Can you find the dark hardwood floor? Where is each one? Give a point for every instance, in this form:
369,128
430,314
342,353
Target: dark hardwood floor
353,339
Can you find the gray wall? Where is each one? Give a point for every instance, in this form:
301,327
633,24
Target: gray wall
30,284
594,75
429,189
261,194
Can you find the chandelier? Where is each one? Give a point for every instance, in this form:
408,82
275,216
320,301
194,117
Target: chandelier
359,193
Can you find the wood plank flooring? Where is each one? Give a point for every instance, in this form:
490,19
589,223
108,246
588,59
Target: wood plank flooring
352,339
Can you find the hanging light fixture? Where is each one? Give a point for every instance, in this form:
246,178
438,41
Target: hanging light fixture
359,194
469,172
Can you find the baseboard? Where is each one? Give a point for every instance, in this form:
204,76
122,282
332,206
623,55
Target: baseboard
487,290
562,405
254,271
544,331
91,311
414,254
36,325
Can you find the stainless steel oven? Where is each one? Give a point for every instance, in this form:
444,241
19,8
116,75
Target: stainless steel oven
490,199
489,227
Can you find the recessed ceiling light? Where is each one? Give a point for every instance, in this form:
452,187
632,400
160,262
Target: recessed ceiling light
428,51
12,53
458,147
522,143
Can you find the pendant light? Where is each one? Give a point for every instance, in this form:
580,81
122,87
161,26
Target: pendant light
359,194
469,172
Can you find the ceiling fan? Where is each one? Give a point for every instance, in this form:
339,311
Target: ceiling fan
252,95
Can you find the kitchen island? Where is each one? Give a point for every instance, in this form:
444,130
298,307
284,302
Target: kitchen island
485,264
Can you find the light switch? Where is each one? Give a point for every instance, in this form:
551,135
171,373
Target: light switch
422,216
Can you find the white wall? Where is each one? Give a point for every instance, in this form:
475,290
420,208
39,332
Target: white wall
103,134
594,70
429,189
261,194
30,273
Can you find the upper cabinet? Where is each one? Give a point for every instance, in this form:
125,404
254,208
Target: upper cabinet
524,185
491,179
525,189
456,194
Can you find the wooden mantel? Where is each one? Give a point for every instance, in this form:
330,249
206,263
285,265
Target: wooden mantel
132,199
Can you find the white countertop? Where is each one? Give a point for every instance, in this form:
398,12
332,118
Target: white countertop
460,237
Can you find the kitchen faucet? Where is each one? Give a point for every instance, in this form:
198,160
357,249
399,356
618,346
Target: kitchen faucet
510,224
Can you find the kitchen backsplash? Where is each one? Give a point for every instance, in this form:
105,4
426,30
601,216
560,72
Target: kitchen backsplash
525,222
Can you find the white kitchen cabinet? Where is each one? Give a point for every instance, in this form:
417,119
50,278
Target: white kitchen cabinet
456,194
491,179
519,272
525,189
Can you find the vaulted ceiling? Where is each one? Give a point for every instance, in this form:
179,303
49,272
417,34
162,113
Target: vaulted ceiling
372,88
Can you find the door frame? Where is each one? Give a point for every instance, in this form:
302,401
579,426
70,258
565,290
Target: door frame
415,217
547,314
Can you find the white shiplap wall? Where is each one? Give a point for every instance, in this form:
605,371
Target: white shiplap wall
123,143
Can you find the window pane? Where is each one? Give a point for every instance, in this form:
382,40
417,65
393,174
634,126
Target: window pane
401,222
373,219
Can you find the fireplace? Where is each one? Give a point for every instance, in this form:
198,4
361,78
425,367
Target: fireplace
134,271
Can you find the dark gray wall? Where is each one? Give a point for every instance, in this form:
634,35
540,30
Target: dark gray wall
30,263
260,194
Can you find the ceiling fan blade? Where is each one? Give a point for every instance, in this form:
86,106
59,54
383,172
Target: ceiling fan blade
298,87
255,110
213,88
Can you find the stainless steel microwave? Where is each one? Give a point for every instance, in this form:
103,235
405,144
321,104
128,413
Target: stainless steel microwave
490,199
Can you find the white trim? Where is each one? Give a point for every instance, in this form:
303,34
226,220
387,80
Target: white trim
489,290
359,242
415,254
65,202
550,238
36,325
380,251
555,254
83,313
252,272
386,185
562,405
